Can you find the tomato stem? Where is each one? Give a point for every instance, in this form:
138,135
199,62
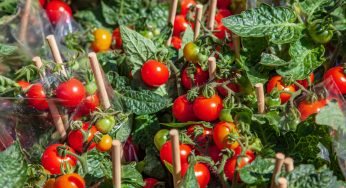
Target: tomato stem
82,161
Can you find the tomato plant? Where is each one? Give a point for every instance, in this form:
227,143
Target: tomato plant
75,138
154,73
105,144
58,10
200,77
37,97
307,108
102,40
276,81
70,181
224,134
166,152
52,159
337,76
207,109
70,93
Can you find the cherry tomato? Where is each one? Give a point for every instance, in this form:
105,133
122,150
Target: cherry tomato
191,51
185,6
37,97
222,13
89,104
70,181
180,25
75,138
320,32
166,152
42,3
230,165
200,77
223,4
308,108
154,73
214,152
202,173
276,81
207,109
150,182
23,84
117,38
51,160
70,93
183,109
105,143
105,124
102,40
221,135
58,10
199,133
335,75
49,183
221,31
160,138
176,42
234,87
305,82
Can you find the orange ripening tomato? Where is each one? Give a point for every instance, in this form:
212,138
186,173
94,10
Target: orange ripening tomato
105,143
221,133
102,40
70,181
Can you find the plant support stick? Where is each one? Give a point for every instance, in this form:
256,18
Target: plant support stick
212,12
171,18
289,164
116,163
198,20
212,67
279,160
95,66
56,53
282,183
260,98
24,21
174,135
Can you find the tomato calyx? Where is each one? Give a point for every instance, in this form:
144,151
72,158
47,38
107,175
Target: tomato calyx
63,151
208,91
78,125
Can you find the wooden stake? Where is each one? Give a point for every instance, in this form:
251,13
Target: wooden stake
171,17
174,135
24,21
236,43
58,122
199,12
95,66
282,183
212,12
280,157
260,98
289,164
116,163
55,51
212,67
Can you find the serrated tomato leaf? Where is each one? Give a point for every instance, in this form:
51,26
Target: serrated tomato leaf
271,60
6,50
130,177
277,23
258,172
190,180
145,128
332,110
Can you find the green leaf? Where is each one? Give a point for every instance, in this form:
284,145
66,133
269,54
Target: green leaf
253,47
310,7
185,124
306,175
253,73
6,50
89,18
190,180
142,102
332,110
13,167
117,12
8,7
271,60
152,165
258,172
138,48
277,23
130,177
306,57
123,129
99,164
145,129
187,37
339,18
272,117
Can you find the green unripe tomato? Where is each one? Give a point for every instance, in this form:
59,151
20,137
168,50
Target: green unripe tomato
191,52
320,32
105,125
160,138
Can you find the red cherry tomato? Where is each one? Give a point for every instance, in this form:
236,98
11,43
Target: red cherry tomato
70,181
117,38
200,77
276,81
51,160
89,104
207,109
42,3
154,73
182,109
176,42
166,152
58,10
70,93
234,87
199,133
230,165
305,82
185,6
202,173
23,84
223,4
75,137
308,108
102,40
37,97
150,182
221,31
222,13
214,153
180,25
221,133
335,75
